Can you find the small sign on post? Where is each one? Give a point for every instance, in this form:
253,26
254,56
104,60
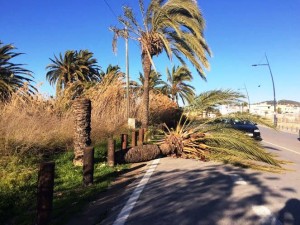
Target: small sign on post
45,192
131,123
88,166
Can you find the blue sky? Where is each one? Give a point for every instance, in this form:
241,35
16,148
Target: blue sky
239,33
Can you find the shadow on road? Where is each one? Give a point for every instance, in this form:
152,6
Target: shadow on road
271,148
290,214
201,196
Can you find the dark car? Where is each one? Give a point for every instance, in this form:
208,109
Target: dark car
248,127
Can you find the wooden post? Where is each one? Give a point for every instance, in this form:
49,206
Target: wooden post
124,141
88,166
144,134
134,138
45,192
141,136
111,152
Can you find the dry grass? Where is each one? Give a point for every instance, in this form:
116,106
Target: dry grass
33,125
109,107
162,109
36,124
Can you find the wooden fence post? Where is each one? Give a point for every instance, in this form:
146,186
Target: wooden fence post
111,152
134,138
88,166
124,141
141,136
45,192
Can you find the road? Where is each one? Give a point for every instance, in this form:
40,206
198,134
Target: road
179,191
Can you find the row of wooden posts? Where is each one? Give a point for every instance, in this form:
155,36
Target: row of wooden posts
47,170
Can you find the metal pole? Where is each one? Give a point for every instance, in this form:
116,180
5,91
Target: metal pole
275,118
127,71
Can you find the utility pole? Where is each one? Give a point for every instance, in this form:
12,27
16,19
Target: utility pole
247,96
127,72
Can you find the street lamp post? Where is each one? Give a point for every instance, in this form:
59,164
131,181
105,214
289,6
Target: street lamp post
274,101
245,88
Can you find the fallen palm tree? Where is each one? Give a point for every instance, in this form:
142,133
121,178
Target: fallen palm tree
206,139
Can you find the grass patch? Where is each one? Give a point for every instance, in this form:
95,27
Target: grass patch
19,185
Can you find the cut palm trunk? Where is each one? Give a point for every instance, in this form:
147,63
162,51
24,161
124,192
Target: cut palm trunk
138,154
82,111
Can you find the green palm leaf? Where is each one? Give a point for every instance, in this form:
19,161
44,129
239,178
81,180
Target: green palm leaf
13,77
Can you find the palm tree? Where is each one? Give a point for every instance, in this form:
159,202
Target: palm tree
72,67
12,76
155,81
110,75
177,87
110,69
173,26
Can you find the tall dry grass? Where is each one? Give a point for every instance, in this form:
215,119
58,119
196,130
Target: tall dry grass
109,107
33,124
39,125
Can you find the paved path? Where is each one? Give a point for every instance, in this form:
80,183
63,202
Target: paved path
179,191
211,193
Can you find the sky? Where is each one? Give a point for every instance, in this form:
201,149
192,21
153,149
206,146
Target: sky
239,34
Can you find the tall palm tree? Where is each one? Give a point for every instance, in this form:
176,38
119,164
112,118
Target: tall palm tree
173,26
73,67
12,76
177,87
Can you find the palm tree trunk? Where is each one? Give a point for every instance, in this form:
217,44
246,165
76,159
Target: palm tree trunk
82,111
146,61
140,153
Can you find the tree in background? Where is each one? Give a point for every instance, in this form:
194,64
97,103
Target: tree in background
155,81
173,26
13,76
73,67
110,69
176,87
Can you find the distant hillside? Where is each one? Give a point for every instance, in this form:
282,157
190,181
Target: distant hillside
283,102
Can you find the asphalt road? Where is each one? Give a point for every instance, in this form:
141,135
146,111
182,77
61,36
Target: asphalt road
179,191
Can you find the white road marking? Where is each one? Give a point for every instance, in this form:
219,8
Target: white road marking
125,212
282,147
237,179
261,210
265,214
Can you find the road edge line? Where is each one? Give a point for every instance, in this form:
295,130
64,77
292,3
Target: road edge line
281,147
126,210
